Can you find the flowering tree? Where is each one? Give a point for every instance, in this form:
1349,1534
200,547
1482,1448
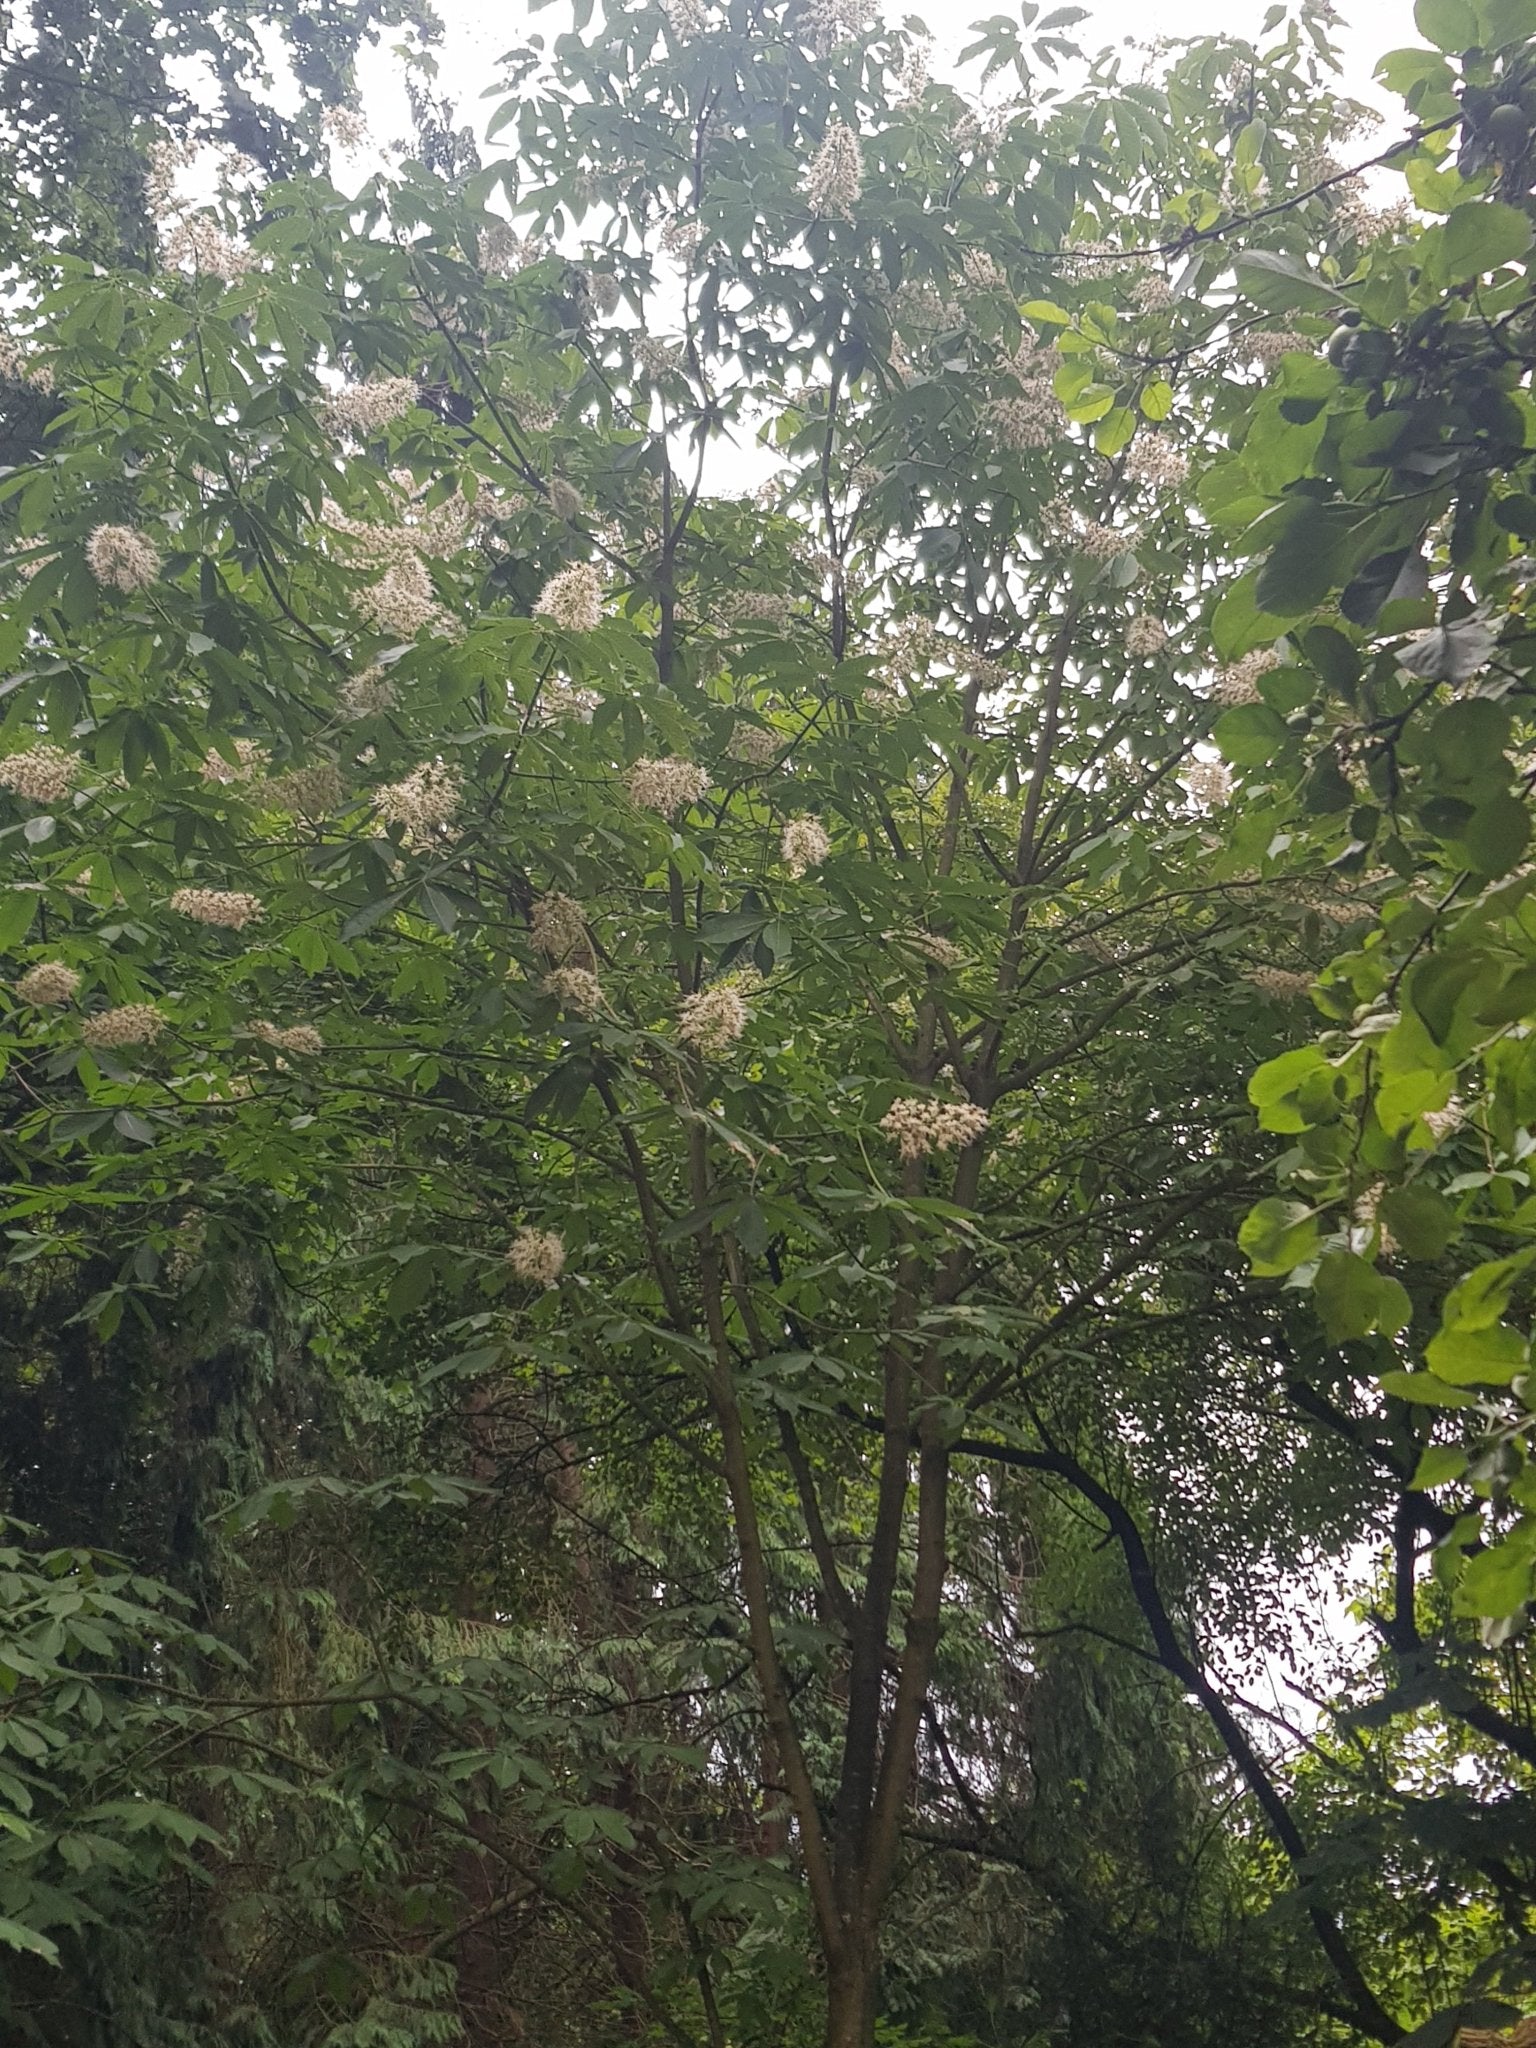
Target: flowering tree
776,967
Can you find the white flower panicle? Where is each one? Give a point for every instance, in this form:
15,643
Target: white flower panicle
364,409
835,176
564,499
232,908
577,989
757,745
17,368
713,1019
201,245
766,607
804,844
250,759
573,598
424,801
1368,1224
1266,347
120,558
504,252
658,358
982,273
1439,1123
920,1125
1209,784
1280,983
936,949
915,73
312,792
1150,460
368,694
667,785
1104,543
344,128
825,24
128,1024
1145,636
50,981
1152,293
303,1039
605,292
1238,683
1036,417
537,1256
166,156
557,926
686,17
404,602
43,774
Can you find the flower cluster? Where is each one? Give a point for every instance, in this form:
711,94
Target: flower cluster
1239,683
804,845
344,128
656,357
1209,784
604,291
915,73
1440,1123
43,774
686,17
667,785
1266,347
167,155
1368,1224
312,792
128,1024
121,559
404,602
15,368
713,1019
1150,460
681,235
202,245
250,759
920,1125
764,607
564,499
300,1038
1152,293
560,698
423,801
757,745
1145,636
504,252
1036,417
983,273
835,175
557,926
824,24
50,981
934,947
232,908
537,1256
577,989
1104,543
573,598
368,694
364,409
1280,983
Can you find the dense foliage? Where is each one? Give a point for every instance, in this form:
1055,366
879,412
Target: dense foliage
654,1383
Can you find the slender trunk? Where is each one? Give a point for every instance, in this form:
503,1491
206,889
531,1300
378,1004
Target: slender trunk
851,1995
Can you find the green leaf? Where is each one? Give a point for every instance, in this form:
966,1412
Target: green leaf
1156,400
1487,1357
1449,24
1479,236
1250,734
1355,1299
1312,557
1278,1235
1495,836
1421,1220
14,1935
1424,1389
1438,1466
1282,284
1500,1581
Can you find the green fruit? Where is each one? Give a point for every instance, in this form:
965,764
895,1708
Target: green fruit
1338,341
1367,355
1508,132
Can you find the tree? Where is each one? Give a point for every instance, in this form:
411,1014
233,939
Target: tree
770,978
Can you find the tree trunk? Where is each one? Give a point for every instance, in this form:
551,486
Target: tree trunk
851,1985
